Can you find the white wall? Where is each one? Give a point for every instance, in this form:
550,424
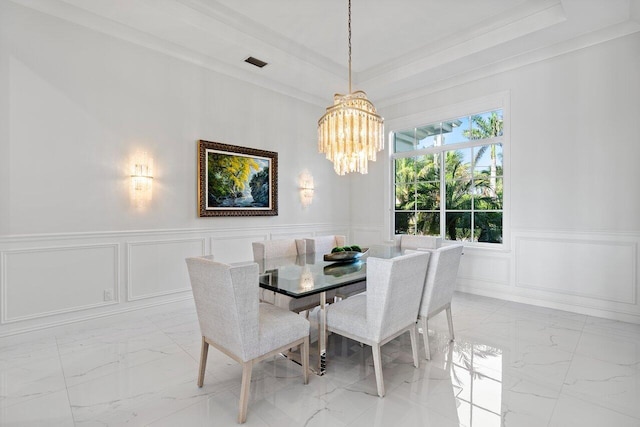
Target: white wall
574,203
75,105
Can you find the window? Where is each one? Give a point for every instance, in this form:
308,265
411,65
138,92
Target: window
448,179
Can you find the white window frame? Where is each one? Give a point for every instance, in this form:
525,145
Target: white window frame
498,101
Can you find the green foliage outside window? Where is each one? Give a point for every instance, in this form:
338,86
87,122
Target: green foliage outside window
473,188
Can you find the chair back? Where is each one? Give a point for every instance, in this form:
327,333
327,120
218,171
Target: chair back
324,244
278,248
226,300
410,241
441,279
394,289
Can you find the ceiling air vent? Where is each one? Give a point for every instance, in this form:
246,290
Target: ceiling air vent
255,61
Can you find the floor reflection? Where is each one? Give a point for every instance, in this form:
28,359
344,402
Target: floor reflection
476,377
510,365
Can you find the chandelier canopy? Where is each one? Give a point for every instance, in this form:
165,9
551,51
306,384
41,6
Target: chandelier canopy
351,132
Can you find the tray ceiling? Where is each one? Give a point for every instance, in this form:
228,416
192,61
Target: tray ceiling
400,48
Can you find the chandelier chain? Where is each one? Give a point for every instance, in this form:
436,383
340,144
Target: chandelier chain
349,46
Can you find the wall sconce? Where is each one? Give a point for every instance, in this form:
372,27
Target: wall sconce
306,189
141,179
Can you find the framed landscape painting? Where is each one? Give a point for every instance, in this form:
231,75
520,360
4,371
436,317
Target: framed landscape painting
236,181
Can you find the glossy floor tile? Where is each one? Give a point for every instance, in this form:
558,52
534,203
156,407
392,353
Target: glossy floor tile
510,365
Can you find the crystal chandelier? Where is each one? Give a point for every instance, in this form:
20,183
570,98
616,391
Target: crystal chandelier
350,133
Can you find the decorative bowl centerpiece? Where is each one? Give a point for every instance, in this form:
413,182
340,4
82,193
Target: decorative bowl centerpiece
345,253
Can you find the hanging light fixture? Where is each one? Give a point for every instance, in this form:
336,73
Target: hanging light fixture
350,133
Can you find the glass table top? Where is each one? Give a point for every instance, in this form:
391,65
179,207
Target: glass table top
310,274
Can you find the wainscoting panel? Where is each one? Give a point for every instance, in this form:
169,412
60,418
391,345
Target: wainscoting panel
234,248
605,270
42,282
158,268
593,273
49,280
483,266
334,232
298,234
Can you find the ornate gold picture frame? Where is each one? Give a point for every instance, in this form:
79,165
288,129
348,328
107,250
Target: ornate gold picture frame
236,181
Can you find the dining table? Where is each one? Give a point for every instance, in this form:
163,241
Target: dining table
318,273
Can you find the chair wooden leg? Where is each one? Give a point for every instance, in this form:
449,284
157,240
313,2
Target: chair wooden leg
247,367
377,366
204,351
450,321
414,346
305,360
425,337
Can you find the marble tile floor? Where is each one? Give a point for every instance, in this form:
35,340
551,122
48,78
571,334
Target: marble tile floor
510,365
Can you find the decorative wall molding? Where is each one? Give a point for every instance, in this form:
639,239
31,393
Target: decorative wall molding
605,270
205,23
64,10
163,272
596,254
234,248
513,63
289,235
119,234
344,231
29,286
494,273
229,247
18,328
140,247
482,266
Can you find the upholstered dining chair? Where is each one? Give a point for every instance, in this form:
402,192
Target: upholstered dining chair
410,241
264,252
278,248
388,309
438,290
323,245
234,321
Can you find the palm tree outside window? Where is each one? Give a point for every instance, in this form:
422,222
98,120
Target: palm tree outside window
448,179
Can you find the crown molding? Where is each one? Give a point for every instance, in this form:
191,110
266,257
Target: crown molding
63,10
222,14
517,23
300,73
514,62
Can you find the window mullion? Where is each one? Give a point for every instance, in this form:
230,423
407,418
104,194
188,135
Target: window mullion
443,197
473,195
415,194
